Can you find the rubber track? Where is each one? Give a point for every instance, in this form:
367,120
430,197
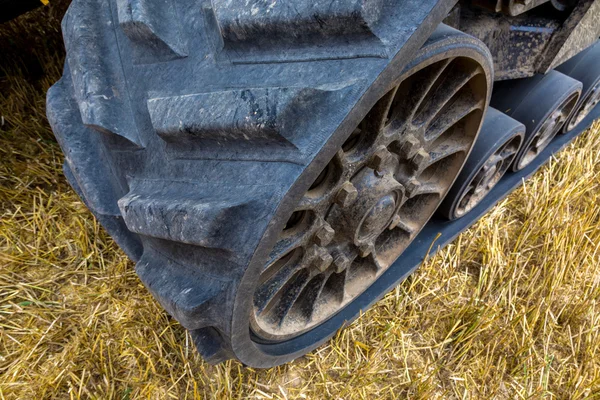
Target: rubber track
184,127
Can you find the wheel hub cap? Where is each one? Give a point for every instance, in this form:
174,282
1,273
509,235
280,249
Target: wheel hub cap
379,198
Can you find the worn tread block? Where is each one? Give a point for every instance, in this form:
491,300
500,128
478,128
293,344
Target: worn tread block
82,146
285,31
211,346
244,124
154,29
114,224
260,115
199,214
98,81
87,167
243,20
190,295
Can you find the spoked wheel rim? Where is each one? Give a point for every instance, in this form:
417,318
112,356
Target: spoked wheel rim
547,132
373,198
488,176
590,102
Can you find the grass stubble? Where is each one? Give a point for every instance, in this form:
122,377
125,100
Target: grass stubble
508,311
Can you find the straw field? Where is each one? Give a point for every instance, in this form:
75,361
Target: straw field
510,310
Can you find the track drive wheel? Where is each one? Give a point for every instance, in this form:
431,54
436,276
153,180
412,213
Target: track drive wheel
362,210
493,154
585,67
543,104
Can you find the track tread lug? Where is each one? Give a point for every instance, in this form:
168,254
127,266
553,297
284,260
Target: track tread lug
211,346
153,26
243,124
193,213
266,32
193,297
99,83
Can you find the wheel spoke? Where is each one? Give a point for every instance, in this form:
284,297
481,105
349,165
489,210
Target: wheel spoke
272,286
379,116
319,194
494,159
284,246
464,204
478,179
428,188
406,227
540,143
377,262
289,296
444,92
316,204
447,149
307,302
410,97
336,286
294,236
434,81
450,116
508,153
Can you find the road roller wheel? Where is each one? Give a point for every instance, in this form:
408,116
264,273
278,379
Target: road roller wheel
585,68
492,156
543,104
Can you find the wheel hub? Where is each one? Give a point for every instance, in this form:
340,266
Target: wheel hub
550,128
383,211
362,221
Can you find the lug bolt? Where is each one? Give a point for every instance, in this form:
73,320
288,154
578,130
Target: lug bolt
324,235
319,257
347,195
365,249
412,186
341,263
420,160
323,261
379,160
408,147
395,222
